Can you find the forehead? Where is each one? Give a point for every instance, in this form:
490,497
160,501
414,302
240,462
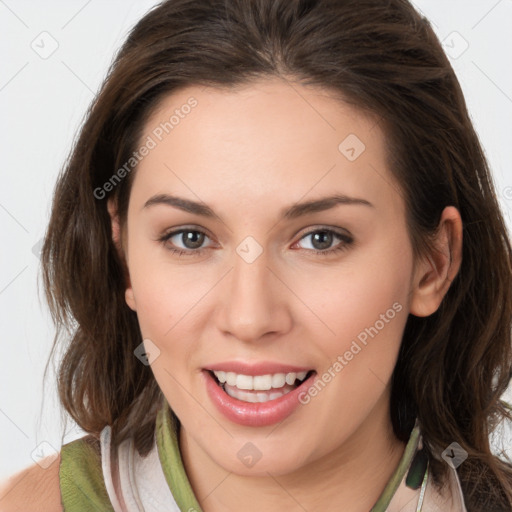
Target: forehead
269,139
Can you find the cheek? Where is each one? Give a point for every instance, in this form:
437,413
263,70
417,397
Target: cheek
162,294
366,292
163,302
366,314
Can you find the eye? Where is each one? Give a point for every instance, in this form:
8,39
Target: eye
191,241
322,240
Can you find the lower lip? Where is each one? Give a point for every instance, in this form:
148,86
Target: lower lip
259,414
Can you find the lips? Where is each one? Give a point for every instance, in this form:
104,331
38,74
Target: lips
247,395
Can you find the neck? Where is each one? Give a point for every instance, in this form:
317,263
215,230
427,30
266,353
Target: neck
350,478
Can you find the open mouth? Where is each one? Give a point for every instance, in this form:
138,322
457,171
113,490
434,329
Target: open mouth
259,388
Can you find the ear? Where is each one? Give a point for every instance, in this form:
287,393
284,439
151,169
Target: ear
435,272
118,243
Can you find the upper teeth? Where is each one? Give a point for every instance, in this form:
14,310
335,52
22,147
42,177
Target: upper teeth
259,382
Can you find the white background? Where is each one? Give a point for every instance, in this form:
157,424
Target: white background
43,100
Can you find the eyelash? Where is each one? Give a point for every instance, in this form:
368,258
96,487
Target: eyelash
346,242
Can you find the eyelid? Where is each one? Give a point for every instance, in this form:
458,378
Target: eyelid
167,233
307,231
322,227
345,239
343,235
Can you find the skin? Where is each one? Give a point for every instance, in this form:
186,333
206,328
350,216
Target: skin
249,153
32,489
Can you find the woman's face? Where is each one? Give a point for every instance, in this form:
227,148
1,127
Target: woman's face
274,279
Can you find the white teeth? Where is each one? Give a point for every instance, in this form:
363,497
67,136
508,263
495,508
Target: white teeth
244,382
290,378
301,375
262,382
221,376
247,396
278,380
259,382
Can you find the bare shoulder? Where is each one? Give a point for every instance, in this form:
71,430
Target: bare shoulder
32,489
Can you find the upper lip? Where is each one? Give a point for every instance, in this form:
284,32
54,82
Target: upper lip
256,368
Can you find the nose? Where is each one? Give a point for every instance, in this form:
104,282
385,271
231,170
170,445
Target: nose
254,301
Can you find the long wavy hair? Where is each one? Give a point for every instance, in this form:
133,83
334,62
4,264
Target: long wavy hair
382,57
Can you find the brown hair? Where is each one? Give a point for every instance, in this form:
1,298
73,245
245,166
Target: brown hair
382,57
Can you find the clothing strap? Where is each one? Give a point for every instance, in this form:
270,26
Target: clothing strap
167,428
81,478
389,491
167,443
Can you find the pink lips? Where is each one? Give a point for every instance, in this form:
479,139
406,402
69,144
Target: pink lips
254,414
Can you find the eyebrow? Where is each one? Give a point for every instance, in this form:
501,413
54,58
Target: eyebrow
292,212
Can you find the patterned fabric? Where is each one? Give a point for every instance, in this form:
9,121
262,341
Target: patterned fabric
93,476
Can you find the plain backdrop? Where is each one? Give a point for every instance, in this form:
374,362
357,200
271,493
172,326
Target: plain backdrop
54,55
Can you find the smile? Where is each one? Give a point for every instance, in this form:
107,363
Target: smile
258,395
252,389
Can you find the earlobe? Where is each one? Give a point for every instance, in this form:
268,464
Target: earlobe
130,298
436,271
116,238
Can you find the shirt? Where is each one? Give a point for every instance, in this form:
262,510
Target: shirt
94,476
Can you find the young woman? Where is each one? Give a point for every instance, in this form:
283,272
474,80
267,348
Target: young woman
278,250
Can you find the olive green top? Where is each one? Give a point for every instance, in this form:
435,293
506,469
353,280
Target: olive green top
81,478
